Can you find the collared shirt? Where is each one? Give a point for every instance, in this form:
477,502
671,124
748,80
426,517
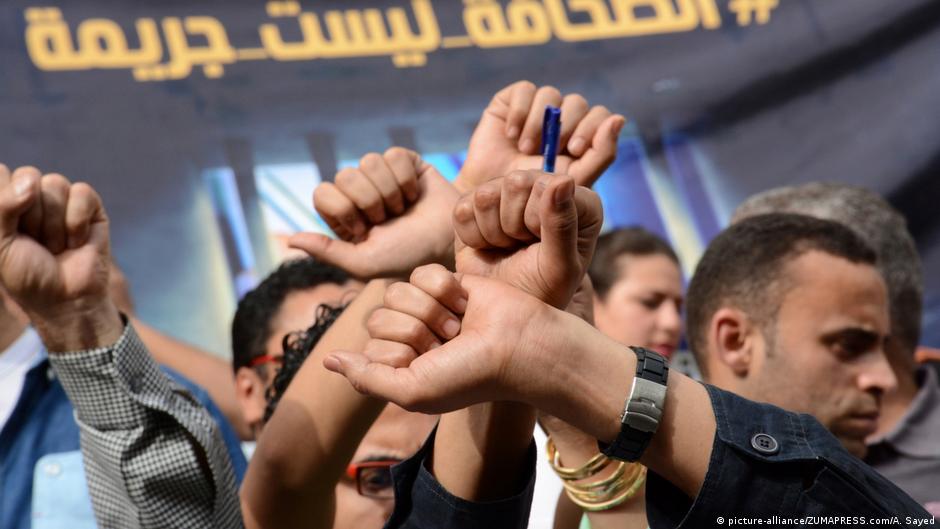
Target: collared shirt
782,468
42,477
15,361
909,455
147,441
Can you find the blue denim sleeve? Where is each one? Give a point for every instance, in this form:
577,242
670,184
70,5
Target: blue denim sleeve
777,466
232,443
422,503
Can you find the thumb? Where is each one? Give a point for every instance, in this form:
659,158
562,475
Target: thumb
16,197
373,378
590,222
331,251
559,231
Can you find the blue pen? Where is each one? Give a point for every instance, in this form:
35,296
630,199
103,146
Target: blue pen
551,128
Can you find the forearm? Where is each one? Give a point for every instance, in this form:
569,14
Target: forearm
142,440
594,381
479,452
576,448
314,431
203,368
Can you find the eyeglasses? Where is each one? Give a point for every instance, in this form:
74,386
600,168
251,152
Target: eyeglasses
266,359
373,478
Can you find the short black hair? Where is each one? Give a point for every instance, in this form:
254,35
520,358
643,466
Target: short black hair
251,326
632,240
743,265
878,223
297,347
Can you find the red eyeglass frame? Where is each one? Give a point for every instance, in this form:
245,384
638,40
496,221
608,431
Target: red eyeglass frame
266,359
352,471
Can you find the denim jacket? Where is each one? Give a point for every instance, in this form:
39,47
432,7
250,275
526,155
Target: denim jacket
42,481
782,468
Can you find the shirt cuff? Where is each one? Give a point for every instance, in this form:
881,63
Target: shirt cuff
422,502
105,384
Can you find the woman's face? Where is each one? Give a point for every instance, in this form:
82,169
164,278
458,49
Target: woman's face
644,306
395,436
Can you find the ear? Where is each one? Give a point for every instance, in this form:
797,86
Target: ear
249,391
733,342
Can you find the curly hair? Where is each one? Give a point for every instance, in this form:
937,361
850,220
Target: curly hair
251,326
297,347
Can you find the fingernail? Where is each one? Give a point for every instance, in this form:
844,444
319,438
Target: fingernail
618,127
527,145
22,185
576,145
435,344
332,363
513,132
461,305
451,327
564,192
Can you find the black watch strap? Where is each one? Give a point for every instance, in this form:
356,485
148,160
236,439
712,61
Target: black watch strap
632,442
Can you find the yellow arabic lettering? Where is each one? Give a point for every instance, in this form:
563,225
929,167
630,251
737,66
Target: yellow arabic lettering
49,41
358,33
669,16
103,42
182,57
296,51
525,23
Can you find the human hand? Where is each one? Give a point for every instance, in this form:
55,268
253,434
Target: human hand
531,229
416,316
509,133
384,233
511,347
498,321
55,256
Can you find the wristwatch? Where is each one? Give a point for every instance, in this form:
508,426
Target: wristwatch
643,410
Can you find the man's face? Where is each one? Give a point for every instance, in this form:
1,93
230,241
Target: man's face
825,352
297,312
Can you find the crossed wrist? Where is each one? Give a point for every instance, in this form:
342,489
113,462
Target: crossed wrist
591,376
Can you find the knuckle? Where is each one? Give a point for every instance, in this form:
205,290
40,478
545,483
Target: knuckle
601,110
550,91
346,176
486,196
55,181
82,190
519,180
463,211
414,330
576,100
524,85
375,320
396,153
395,291
370,161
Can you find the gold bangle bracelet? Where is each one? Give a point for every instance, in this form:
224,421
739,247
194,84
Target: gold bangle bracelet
592,505
593,466
625,473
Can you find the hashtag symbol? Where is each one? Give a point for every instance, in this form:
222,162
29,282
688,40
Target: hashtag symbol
756,10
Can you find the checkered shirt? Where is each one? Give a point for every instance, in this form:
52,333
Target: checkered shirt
153,455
